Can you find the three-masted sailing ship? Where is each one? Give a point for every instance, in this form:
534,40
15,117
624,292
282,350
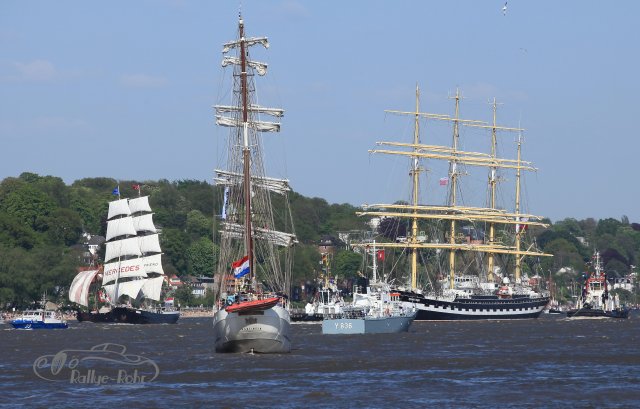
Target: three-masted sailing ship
256,236
486,293
132,274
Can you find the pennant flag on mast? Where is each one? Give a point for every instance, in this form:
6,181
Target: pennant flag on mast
380,255
240,267
116,191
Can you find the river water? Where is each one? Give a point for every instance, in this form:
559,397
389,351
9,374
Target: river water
549,362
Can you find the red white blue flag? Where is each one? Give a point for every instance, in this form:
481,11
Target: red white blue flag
240,267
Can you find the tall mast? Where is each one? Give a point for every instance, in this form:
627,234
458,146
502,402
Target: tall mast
453,177
415,173
493,181
117,282
519,227
452,212
374,265
246,151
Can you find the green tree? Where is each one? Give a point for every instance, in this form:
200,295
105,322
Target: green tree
63,226
202,257
27,205
198,195
608,226
347,264
565,255
53,187
184,295
305,263
15,234
171,207
174,244
569,225
198,225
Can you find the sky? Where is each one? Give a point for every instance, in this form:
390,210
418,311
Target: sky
125,89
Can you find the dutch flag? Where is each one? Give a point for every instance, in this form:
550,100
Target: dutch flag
241,267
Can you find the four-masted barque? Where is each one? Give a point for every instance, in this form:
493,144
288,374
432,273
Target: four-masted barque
485,294
256,236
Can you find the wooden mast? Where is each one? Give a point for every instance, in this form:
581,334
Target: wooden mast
493,181
453,176
415,173
519,227
246,151
452,213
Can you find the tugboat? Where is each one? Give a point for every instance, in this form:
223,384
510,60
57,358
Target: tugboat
595,301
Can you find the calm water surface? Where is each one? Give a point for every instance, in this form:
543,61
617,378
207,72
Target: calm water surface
548,362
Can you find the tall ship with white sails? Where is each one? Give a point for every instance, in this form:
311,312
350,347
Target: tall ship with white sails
482,277
256,236
132,275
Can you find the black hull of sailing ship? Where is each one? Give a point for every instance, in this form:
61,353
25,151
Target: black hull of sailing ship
476,307
591,313
125,315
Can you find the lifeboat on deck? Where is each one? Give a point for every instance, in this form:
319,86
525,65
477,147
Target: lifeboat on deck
254,305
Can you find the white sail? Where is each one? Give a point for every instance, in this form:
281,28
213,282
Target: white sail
277,112
260,67
124,269
149,244
152,264
247,42
79,290
152,288
120,227
259,126
144,223
118,208
130,288
122,248
139,204
233,230
226,178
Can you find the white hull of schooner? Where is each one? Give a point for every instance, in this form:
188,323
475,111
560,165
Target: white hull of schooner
263,331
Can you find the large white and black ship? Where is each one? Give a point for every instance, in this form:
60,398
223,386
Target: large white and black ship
475,307
481,276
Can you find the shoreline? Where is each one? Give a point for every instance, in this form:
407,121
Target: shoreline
196,314
184,313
